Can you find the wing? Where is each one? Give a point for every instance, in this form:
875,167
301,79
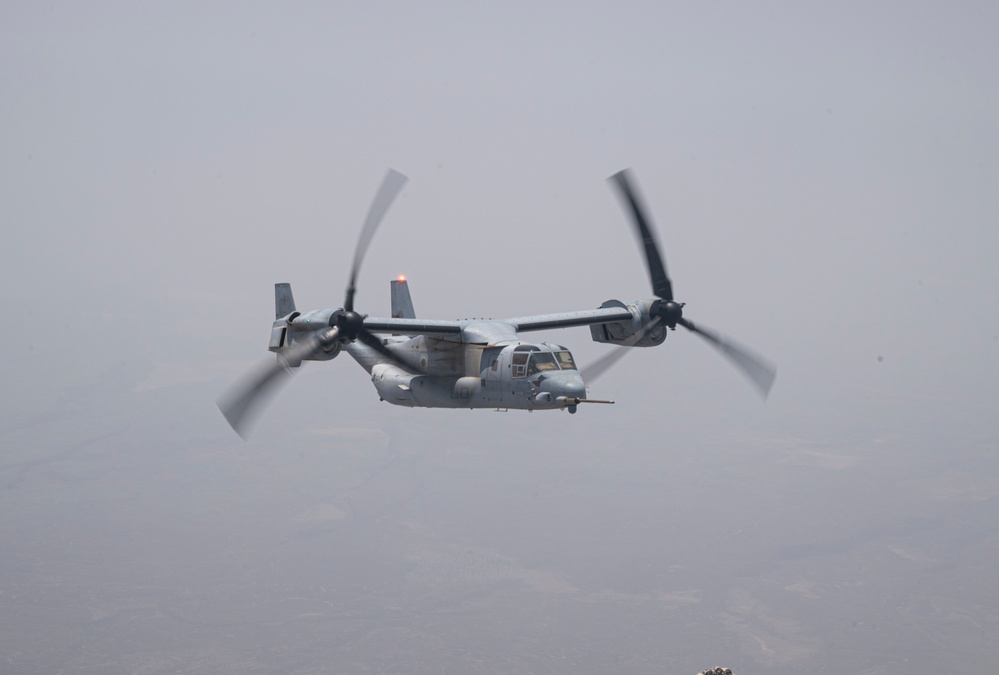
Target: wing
445,330
442,329
570,319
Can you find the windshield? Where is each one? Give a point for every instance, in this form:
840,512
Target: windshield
532,362
541,361
565,360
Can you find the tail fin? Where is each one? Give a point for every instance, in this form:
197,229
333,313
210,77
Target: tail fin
402,304
284,301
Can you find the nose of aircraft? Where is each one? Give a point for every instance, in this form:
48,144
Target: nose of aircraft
568,383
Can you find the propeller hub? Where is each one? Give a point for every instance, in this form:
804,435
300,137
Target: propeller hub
349,323
669,312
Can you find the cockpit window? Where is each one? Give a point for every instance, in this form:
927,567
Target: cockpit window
526,363
565,360
520,364
541,361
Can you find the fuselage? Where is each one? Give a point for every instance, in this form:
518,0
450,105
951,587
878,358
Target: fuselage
511,374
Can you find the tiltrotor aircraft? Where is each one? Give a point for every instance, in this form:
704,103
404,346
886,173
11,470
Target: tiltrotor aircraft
473,363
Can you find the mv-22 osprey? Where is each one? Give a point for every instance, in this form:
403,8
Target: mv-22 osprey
473,363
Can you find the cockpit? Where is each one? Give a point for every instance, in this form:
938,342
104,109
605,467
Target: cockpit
530,359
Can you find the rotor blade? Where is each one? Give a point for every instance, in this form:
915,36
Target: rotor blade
760,372
661,285
243,401
375,343
386,194
240,405
605,362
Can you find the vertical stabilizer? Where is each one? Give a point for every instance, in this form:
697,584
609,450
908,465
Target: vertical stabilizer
402,304
284,301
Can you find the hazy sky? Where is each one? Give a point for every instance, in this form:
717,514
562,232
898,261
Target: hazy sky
823,181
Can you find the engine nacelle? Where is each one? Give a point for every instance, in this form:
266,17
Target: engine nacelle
629,333
297,327
325,353
279,332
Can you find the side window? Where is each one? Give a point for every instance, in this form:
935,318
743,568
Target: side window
520,364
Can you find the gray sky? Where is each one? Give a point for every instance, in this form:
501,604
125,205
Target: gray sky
823,183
